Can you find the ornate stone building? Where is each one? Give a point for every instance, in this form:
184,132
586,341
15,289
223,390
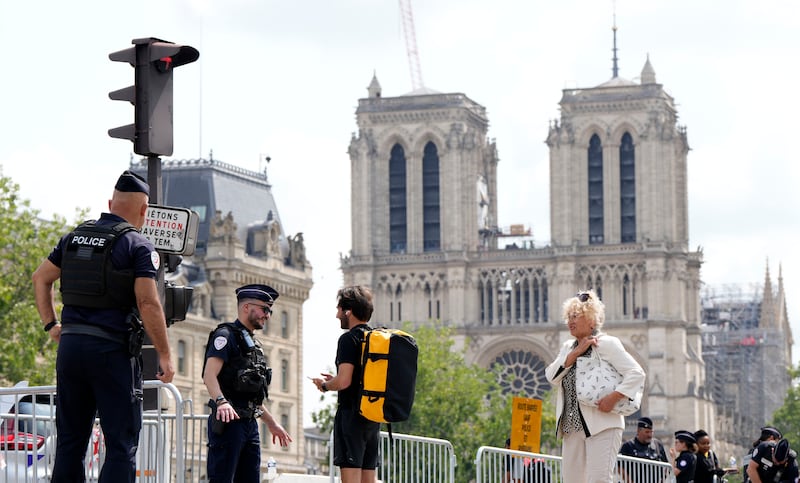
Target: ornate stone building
240,241
426,237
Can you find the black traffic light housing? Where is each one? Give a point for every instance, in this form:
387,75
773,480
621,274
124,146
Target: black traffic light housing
154,60
176,302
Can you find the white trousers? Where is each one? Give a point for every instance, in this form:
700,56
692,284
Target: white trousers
592,459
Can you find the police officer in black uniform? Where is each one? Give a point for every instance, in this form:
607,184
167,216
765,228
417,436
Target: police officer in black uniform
643,445
773,462
236,376
108,286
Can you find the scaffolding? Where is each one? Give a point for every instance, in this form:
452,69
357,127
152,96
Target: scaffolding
746,374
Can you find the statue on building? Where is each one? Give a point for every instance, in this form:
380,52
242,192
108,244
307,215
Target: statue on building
222,228
297,250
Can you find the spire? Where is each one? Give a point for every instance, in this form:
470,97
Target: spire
767,317
615,67
374,89
648,73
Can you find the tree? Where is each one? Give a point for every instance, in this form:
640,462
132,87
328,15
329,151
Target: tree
26,351
787,417
455,401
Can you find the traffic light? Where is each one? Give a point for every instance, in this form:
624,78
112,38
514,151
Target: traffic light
153,60
176,302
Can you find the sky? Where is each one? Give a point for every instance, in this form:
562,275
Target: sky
283,79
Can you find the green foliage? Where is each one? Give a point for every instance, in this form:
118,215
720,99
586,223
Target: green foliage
26,351
787,417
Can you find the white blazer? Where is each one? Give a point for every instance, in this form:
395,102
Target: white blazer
612,351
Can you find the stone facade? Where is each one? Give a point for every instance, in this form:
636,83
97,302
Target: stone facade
619,225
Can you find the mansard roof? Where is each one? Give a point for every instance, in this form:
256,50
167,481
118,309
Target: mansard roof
208,186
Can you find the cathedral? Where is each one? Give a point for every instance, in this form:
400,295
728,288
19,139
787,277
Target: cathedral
425,235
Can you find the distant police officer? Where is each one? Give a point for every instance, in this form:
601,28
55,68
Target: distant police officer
773,462
685,459
236,376
768,433
108,283
643,445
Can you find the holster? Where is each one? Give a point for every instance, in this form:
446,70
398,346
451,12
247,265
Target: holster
135,335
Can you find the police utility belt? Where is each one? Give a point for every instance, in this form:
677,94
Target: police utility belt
132,340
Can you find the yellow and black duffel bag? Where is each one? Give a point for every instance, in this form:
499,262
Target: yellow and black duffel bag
389,375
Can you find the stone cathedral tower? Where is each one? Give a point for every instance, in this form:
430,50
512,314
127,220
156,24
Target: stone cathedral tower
425,235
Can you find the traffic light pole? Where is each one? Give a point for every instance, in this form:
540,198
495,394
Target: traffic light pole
149,356
154,61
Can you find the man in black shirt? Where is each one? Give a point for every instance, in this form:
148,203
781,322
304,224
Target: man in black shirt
355,439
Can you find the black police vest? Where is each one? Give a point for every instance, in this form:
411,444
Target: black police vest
245,376
88,278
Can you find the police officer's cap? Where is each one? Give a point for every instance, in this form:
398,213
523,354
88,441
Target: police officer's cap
685,436
782,450
645,423
130,182
264,293
769,431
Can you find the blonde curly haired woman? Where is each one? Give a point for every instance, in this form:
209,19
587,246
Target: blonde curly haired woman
591,434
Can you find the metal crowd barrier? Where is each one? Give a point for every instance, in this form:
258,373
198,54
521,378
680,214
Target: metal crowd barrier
167,451
499,465
410,459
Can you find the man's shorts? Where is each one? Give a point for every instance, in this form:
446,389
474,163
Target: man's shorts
355,440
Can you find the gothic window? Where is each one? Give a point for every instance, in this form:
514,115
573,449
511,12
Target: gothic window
397,200
543,301
428,298
594,171
522,373
627,187
525,311
182,357
626,300
284,375
430,198
487,301
398,293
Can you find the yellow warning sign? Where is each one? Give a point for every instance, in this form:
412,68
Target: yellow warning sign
526,424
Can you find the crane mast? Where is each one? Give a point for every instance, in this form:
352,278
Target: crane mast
411,44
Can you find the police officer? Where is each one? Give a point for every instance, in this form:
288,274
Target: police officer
685,459
236,376
643,445
768,433
773,462
108,284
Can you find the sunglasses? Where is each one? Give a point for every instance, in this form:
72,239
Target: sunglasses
265,308
583,296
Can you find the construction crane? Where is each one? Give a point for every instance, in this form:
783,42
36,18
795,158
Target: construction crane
411,44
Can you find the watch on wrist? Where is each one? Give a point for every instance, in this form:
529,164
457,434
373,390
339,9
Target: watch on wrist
220,399
50,325
324,387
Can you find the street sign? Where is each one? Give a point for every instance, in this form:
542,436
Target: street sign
171,229
526,424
